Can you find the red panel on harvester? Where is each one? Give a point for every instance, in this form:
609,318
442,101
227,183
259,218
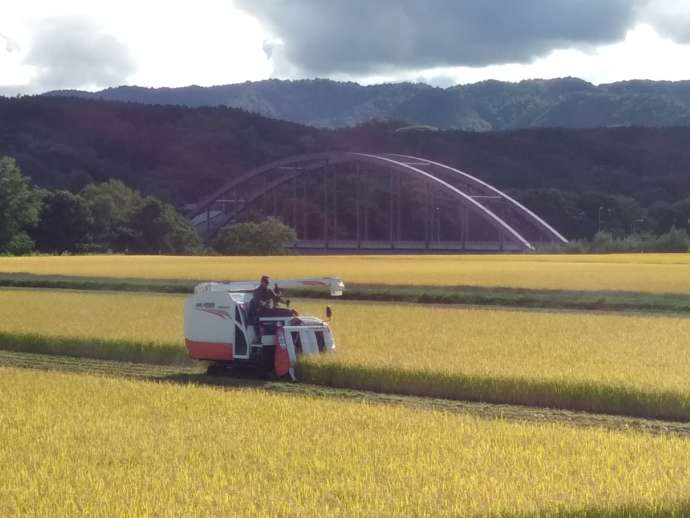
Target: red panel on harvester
209,350
281,360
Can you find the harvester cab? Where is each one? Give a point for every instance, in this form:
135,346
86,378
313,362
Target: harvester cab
218,327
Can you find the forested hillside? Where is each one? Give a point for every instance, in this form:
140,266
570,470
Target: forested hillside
176,152
484,106
181,154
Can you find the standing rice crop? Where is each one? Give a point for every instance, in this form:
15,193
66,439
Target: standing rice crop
648,273
108,447
621,363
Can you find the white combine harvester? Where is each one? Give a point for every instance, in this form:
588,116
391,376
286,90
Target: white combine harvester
217,327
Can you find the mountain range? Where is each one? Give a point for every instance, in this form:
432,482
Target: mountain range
484,106
181,154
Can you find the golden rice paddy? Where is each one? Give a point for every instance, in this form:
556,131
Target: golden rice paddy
648,273
636,350
128,317
82,445
647,353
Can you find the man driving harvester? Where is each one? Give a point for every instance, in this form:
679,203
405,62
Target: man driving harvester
264,302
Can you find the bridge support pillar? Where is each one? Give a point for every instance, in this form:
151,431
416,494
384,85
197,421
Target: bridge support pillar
501,234
358,188
325,206
294,203
365,202
427,225
391,222
398,182
465,226
335,206
305,222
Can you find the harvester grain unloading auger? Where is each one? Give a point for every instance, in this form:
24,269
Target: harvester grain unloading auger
218,327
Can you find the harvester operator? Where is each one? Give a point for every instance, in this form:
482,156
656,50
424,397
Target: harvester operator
264,297
264,302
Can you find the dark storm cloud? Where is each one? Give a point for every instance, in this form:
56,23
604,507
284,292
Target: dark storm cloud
73,53
364,36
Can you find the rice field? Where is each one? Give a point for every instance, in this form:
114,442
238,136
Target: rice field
109,447
616,363
645,273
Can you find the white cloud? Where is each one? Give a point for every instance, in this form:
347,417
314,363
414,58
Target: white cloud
209,42
74,53
8,45
170,43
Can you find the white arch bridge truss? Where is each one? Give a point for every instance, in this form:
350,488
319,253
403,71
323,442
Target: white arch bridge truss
348,201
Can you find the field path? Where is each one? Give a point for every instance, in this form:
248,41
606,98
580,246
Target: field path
196,375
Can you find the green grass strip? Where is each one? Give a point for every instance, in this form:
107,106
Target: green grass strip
29,280
587,397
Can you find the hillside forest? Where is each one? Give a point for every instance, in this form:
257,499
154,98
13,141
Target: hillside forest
619,180
485,106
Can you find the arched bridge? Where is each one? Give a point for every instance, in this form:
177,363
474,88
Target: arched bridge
373,201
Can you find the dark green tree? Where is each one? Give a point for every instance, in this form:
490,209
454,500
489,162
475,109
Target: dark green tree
124,220
65,223
112,204
675,240
159,228
20,206
267,237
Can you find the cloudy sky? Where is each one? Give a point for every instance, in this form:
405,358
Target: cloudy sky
93,44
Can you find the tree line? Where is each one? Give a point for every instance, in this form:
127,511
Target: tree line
582,215
101,217
111,217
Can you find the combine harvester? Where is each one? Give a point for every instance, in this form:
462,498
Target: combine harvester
218,329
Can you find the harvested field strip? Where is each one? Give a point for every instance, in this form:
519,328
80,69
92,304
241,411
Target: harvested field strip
509,297
79,364
612,363
648,273
131,447
244,379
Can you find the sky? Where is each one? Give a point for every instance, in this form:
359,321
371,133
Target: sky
94,44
